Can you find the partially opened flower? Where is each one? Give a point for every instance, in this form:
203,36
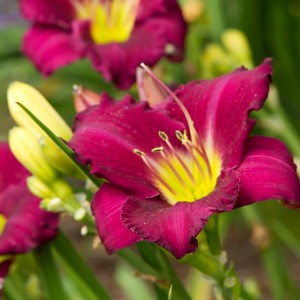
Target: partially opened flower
116,35
23,225
172,166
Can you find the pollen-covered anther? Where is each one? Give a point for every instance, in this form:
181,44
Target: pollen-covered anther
182,137
157,149
163,136
138,152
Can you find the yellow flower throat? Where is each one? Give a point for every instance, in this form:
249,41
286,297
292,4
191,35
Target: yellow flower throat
111,20
182,175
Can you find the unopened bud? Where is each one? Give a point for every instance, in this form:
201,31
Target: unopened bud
80,214
84,98
39,188
61,188
26,149
57,158
149,90
35,102
52,204
237,44
215,61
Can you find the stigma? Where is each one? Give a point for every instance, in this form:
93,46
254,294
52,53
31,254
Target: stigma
110,20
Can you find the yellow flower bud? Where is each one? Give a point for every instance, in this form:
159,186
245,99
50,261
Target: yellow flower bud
25,147
215,61
62,189
53,204
237,45
57,158
39,188
39,106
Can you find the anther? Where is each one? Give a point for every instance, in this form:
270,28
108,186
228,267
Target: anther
179,135
163,136
138,152
157,149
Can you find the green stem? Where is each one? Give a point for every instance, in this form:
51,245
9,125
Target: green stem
74,263
178,290
49,274
213,235
137,262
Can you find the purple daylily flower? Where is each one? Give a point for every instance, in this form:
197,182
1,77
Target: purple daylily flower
171,166
116,35
24,225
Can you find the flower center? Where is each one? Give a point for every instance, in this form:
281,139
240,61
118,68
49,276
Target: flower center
111,20
182,175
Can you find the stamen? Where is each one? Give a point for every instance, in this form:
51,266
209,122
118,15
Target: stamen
180,179
157,149
177,100
203,155
163,136
150,164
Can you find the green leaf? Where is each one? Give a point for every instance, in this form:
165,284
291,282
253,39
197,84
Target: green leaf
78,269
134,287
170,292
49,273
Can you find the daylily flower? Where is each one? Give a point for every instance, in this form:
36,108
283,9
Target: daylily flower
23,225
172,166
116,35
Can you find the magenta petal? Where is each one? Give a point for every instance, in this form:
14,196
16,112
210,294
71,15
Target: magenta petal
105,137
175,31
268,172
27,225
51,48
106,207
176,227
11,171
58,12
220,109
118,61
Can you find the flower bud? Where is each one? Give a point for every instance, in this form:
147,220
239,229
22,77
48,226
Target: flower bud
236,43
52,204
62,189
25,147
57,158
215,61
38,188
34,101
148,89
84,98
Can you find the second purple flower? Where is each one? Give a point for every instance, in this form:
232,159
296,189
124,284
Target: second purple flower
116,35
